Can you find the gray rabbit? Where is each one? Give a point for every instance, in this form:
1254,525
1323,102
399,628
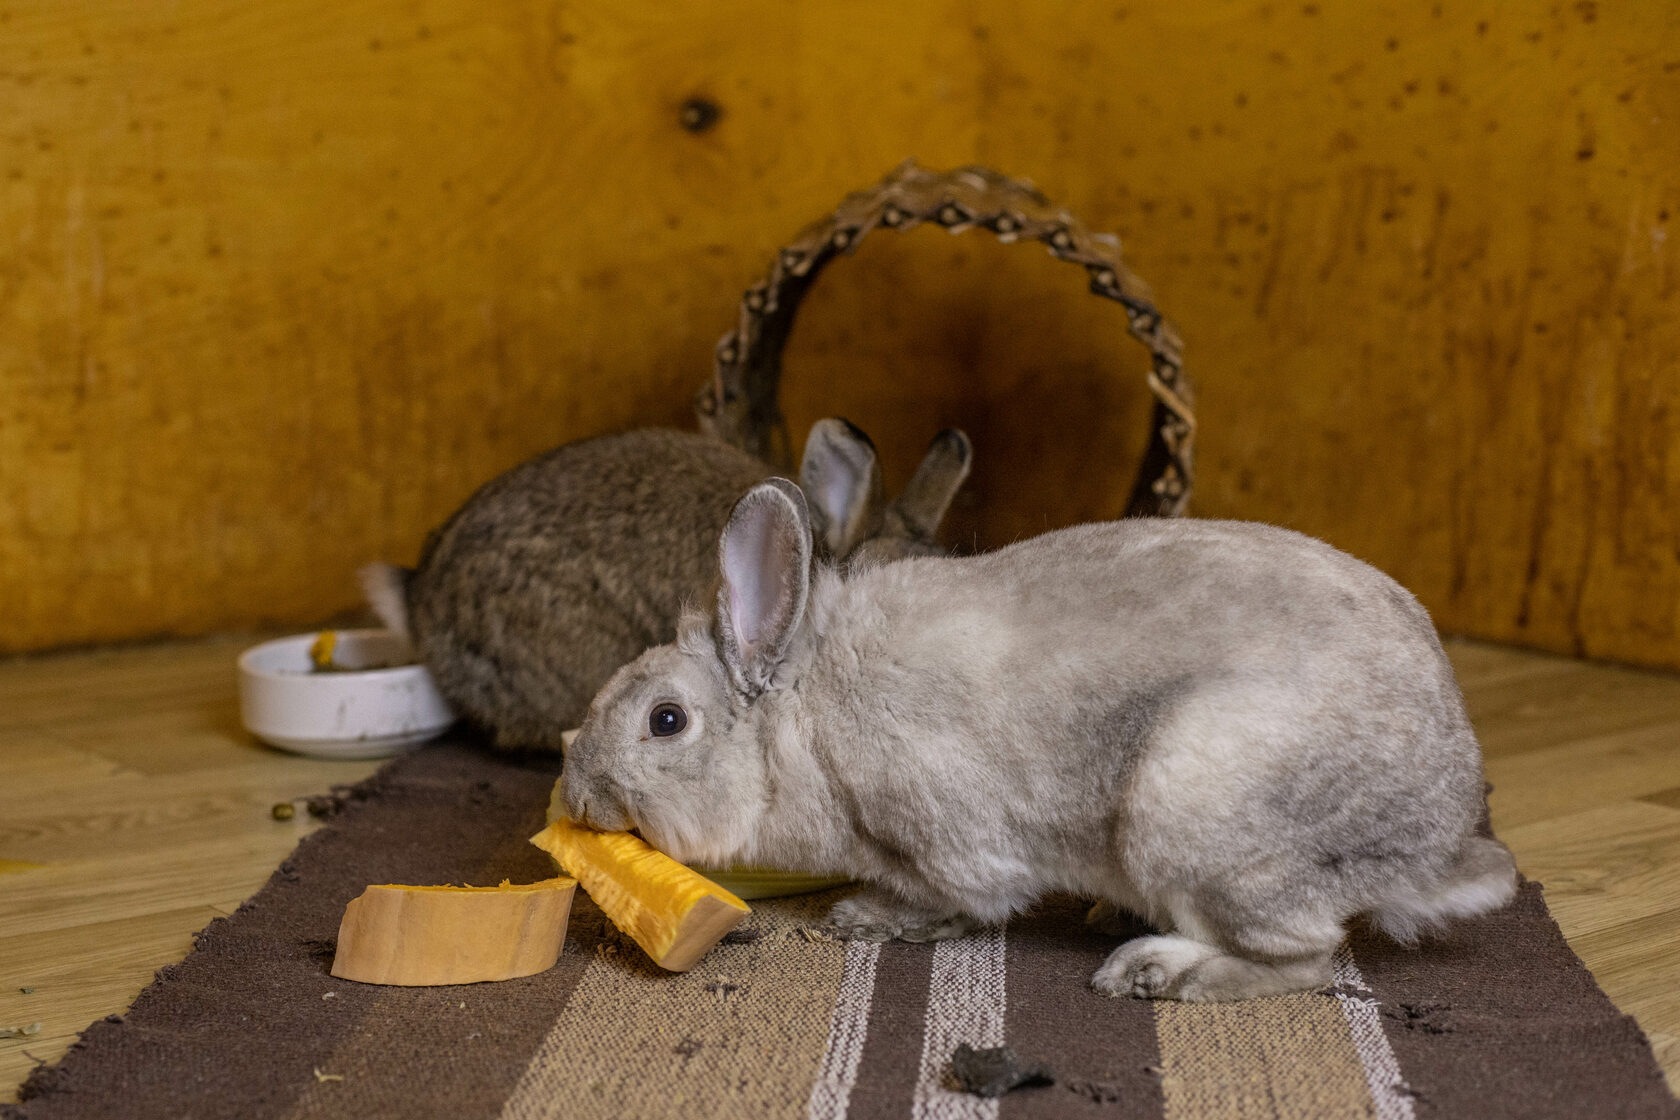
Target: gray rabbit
553,575
1232,730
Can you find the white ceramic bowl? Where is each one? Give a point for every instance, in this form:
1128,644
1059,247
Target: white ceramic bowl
355,713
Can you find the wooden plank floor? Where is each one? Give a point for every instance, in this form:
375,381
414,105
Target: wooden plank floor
133,810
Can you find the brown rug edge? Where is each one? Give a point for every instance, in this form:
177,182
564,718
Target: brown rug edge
1546,1038
283,935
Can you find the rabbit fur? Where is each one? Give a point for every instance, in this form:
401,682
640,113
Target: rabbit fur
1234,731
559,571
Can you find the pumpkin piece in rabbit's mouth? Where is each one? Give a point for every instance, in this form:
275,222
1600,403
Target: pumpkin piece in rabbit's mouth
673,913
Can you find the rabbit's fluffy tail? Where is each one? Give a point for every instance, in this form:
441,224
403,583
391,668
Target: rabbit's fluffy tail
1483,878
386,588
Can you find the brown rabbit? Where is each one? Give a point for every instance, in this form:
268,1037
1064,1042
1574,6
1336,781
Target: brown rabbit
554,574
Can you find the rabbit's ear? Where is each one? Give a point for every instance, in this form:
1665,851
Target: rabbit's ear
841,477
765,561
936,481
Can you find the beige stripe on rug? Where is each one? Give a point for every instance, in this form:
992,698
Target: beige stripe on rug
1281,1058
742,1034
966,1003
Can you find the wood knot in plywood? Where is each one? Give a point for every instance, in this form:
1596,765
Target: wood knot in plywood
699,114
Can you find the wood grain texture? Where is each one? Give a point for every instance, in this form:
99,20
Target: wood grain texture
133,810
280,284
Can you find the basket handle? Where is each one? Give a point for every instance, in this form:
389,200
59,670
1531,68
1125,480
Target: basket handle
739,403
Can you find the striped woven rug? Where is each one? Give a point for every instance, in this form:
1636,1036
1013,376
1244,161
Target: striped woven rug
780,1021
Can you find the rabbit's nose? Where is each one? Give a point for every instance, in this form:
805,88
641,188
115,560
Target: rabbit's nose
569,793
589,805
557,801
604,814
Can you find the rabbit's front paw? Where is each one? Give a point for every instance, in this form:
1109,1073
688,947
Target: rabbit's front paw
878,917
865,917
1150,967
925,928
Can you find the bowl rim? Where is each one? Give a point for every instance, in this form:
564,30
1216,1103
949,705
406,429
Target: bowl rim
389,671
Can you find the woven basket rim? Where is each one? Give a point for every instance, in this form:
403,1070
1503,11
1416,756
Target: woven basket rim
740,403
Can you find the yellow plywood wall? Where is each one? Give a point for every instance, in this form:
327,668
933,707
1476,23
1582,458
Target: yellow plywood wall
280,283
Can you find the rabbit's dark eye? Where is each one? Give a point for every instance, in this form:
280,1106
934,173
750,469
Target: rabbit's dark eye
667,719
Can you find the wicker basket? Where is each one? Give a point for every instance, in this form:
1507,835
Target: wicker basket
740,403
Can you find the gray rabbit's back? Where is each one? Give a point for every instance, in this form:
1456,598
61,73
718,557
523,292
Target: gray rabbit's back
1200,691
557,572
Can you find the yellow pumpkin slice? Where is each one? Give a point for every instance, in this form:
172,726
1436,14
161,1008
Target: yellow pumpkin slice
749,883
417,936
674,914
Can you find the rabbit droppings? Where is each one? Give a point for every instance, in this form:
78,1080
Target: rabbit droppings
1232,730
553,575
